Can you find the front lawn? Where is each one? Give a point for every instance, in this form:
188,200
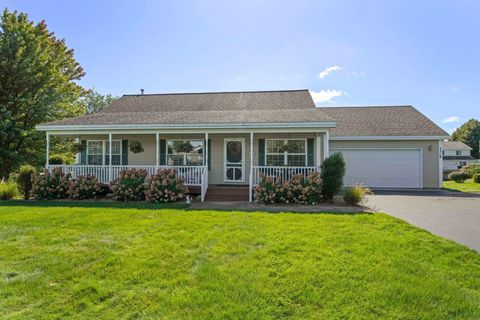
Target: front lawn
116,263
467,186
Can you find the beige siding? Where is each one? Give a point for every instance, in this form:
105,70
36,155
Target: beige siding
431,158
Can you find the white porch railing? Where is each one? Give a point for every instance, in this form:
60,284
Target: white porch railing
283,173
191,175
204,180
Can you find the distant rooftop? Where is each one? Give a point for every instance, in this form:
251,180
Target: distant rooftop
455,145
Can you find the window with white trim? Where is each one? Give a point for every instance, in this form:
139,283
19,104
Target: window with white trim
116,152
98,152
185,152
276,156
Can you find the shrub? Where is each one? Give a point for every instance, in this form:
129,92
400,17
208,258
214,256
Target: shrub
55,159
476,178
84,187
296,190
356,194
471,169
24,180
104,189
333,171
165,186
130,185
8,190
48,185
458,176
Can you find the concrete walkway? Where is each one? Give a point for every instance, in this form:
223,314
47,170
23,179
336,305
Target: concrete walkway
452,215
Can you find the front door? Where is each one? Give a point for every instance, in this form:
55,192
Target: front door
234,160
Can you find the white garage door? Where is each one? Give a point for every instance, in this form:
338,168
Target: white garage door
383,168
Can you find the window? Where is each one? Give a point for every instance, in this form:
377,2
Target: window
116,152
276,156
98,152
95,152
185,153
459,152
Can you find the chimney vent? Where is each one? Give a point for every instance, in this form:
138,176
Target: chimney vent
142,91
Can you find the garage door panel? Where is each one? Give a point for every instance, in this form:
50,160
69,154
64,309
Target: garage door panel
383,168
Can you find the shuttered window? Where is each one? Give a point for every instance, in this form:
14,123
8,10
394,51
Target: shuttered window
276,156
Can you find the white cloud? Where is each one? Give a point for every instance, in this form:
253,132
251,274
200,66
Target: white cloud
454,89
326,95
329,70
451,119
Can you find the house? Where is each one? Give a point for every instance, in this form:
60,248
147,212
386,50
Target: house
456,154
229,138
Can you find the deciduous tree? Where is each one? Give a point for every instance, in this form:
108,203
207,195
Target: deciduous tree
38,75
469,133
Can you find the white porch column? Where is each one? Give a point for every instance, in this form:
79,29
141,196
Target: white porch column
206,149
250,180
110,157
157,155
325,145
318,158
47,149
78,154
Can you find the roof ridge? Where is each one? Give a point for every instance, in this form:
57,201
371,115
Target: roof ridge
212,92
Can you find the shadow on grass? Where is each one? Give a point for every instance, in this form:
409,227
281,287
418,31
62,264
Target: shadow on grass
92,204
246,207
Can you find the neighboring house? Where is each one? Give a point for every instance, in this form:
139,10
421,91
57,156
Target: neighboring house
230,138
456,154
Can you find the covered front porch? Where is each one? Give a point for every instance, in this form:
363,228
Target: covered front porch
220,158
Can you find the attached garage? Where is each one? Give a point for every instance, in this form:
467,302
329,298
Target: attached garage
383,168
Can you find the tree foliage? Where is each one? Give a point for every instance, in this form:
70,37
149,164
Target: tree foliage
95,101
38,75
469,133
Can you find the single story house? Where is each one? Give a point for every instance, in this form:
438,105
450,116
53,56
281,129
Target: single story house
456,155
223,139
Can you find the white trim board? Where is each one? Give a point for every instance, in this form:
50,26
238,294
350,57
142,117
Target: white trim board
388,137
252,125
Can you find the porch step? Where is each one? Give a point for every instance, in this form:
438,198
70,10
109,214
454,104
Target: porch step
227,193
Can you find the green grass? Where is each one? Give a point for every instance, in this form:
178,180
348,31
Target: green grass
467,186
124,263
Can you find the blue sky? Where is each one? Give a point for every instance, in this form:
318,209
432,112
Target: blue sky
423,53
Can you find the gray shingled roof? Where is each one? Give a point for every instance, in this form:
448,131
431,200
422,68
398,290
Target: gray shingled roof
257,107
195,108
455,145
381,121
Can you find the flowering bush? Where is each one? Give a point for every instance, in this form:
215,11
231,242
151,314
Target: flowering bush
52,185
130,185
165,186
84,187
296,190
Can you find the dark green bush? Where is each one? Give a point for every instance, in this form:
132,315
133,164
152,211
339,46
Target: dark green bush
130,185
471,169
55,159
333,171
24,180
458,176
476,178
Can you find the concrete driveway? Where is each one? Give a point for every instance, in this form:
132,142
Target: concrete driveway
452,215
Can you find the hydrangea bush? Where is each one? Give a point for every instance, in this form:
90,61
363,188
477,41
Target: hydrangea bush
52,185
84,187
165,186
130,185
296,190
